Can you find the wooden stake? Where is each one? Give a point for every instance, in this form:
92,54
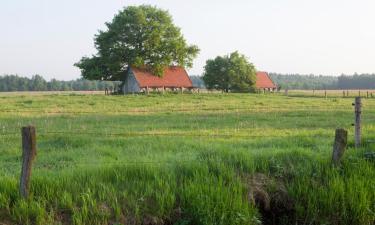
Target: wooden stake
325,93
357,121
28,156
339,146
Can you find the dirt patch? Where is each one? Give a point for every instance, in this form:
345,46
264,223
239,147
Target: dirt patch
271,198
4,217
64,217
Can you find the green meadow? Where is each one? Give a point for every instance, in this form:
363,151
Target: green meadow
182,159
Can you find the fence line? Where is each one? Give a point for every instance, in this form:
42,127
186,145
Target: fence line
259,108
135,134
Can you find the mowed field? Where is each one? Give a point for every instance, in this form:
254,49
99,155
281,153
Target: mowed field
186,159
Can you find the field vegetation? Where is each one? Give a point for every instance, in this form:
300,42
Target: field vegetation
186,159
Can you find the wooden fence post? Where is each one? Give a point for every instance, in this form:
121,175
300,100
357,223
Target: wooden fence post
28,156
347,93
325,93
357,121
367,94
343,94
339,146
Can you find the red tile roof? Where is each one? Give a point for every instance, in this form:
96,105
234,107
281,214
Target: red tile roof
174,76
264,81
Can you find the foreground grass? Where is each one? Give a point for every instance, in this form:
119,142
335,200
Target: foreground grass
185,159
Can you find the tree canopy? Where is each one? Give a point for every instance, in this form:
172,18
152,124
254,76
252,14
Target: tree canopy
230,73
141,36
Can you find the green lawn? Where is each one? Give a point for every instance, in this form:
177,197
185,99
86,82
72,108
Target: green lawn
186,159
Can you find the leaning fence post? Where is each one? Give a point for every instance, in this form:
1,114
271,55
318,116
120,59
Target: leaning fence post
28,156
339,146
357,121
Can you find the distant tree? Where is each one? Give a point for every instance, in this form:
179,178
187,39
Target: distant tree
230,73
54,85
137,36
38,83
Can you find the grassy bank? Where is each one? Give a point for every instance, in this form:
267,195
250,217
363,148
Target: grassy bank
185,159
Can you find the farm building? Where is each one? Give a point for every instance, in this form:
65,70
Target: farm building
140,80
264,82
175,78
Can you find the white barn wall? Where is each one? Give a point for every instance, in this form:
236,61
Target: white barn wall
131,85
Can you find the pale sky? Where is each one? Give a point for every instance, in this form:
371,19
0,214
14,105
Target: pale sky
47,37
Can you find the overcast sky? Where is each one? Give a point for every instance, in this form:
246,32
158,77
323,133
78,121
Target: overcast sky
47,37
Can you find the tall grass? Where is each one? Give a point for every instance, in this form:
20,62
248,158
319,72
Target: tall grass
184,159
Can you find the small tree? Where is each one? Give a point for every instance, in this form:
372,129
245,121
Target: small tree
230,73
137,36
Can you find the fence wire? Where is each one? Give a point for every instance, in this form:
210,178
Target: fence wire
139,134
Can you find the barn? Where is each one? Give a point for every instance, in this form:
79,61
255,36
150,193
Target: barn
140,80
264,82
175,78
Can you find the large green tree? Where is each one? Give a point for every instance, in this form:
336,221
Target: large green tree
142,36
230,73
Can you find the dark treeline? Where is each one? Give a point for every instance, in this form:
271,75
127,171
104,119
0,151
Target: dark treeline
290,81
297,81
38,83
363,81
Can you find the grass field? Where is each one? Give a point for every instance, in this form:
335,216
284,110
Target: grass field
186,159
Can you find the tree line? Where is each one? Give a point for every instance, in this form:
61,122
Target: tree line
309,82
305,82
38,83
